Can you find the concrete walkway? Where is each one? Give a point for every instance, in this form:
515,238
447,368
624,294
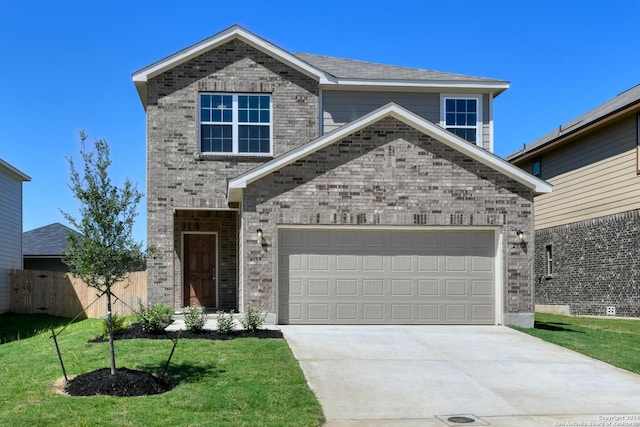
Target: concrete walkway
435,375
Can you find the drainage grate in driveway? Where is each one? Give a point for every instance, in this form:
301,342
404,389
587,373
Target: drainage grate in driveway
461,420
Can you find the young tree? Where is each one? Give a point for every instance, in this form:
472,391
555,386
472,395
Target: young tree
104,251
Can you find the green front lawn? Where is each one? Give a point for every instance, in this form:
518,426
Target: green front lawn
240,382
615,341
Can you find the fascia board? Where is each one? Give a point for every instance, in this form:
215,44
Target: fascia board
11,170
495,87
236,184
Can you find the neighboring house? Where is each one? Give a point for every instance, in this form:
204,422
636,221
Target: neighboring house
588,229
330,190
44,247
11,180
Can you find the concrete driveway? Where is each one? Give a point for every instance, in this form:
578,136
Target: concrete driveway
442,375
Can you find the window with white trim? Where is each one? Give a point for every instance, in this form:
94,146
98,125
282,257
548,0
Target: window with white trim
235,123
462,116
548,250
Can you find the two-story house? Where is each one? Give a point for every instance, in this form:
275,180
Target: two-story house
587,230
11,180
331,190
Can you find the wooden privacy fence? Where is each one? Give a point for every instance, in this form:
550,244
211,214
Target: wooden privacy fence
62,294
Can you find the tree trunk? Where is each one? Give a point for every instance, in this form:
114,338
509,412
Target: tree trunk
110,326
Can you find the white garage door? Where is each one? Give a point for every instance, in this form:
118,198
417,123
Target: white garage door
386,277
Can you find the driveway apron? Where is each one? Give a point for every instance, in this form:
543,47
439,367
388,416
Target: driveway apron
443,375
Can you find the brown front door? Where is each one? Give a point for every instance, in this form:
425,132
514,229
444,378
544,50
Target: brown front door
200,270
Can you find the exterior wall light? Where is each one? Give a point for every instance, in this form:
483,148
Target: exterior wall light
259,232
520,239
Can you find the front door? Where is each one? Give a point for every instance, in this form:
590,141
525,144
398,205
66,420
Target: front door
200,270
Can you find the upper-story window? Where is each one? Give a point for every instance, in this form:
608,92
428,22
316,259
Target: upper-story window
462,116
235,123
536,167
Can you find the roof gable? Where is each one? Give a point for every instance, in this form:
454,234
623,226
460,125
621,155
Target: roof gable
141,77
48,240
621,104
237,184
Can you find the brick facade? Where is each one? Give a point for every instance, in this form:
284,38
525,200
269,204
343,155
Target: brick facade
178,178
388,174
596,265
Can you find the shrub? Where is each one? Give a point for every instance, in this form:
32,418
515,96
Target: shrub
119,325
195,318
225,322
155,317
253,317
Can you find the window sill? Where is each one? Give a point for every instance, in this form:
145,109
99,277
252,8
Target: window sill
232,156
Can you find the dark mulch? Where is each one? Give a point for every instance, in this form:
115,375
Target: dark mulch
135,331
126,382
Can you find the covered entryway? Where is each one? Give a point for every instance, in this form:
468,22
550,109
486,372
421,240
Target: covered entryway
389,276
200,269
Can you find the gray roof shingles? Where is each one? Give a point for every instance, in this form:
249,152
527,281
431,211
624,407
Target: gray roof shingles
50,240
621,101
352,69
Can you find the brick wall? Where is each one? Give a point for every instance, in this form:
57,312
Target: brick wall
595,265
387,174
177,176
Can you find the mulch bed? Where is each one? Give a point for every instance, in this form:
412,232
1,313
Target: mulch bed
126,382
135,331
129,382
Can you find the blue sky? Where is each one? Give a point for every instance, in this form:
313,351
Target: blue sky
67,66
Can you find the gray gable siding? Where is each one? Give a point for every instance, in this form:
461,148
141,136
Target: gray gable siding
10,232
343,106
388,174
177,176
340,107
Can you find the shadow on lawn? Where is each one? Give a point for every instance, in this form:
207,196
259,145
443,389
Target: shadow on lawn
554,326
21,326
185,372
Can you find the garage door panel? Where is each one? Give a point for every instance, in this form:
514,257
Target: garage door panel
401,277
402,263
318,263
318,312
346,288
429,313
373,287
428,263
373,263
481,288
373,313
346,263
346,312
318,288
400,288
482,264
428,288
455,264
401,312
